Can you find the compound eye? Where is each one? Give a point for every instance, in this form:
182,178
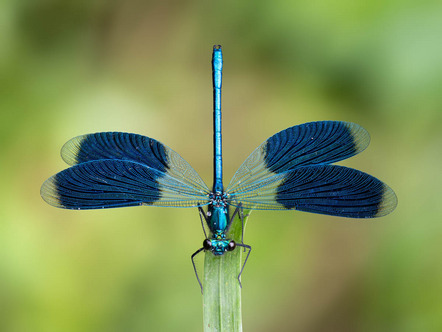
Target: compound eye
207,244
231,246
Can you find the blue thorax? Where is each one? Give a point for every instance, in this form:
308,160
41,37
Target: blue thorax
218,222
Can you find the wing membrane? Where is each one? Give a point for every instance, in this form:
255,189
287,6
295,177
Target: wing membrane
132,147
325,189
116,183
314,143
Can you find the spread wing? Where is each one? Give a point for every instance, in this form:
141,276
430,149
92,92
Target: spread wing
313,143
325,189
291,170
115,169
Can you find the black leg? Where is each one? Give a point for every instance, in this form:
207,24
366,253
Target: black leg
238,210
234,214
194,267
245,246
202,214
241,216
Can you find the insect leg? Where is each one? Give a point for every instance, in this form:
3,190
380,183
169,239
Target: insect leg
239,210
241,216
202,214
245,246
194,267
233,215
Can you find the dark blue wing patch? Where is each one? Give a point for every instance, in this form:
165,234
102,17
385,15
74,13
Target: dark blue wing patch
102,184
116,145
314,143
335,190
116,183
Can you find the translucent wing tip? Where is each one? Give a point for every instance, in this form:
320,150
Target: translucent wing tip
71,149
388,202
49,192
361,137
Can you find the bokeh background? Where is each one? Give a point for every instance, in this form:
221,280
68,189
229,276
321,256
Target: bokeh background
74,67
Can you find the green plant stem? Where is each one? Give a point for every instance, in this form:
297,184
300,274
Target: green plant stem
222,293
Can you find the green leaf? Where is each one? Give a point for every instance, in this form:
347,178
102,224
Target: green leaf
222,292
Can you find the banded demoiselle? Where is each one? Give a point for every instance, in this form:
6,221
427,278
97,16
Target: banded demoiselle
292,170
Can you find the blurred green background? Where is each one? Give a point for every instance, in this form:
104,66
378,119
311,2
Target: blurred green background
74,67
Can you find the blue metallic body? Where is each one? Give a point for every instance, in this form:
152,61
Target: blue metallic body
217,67
217,216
